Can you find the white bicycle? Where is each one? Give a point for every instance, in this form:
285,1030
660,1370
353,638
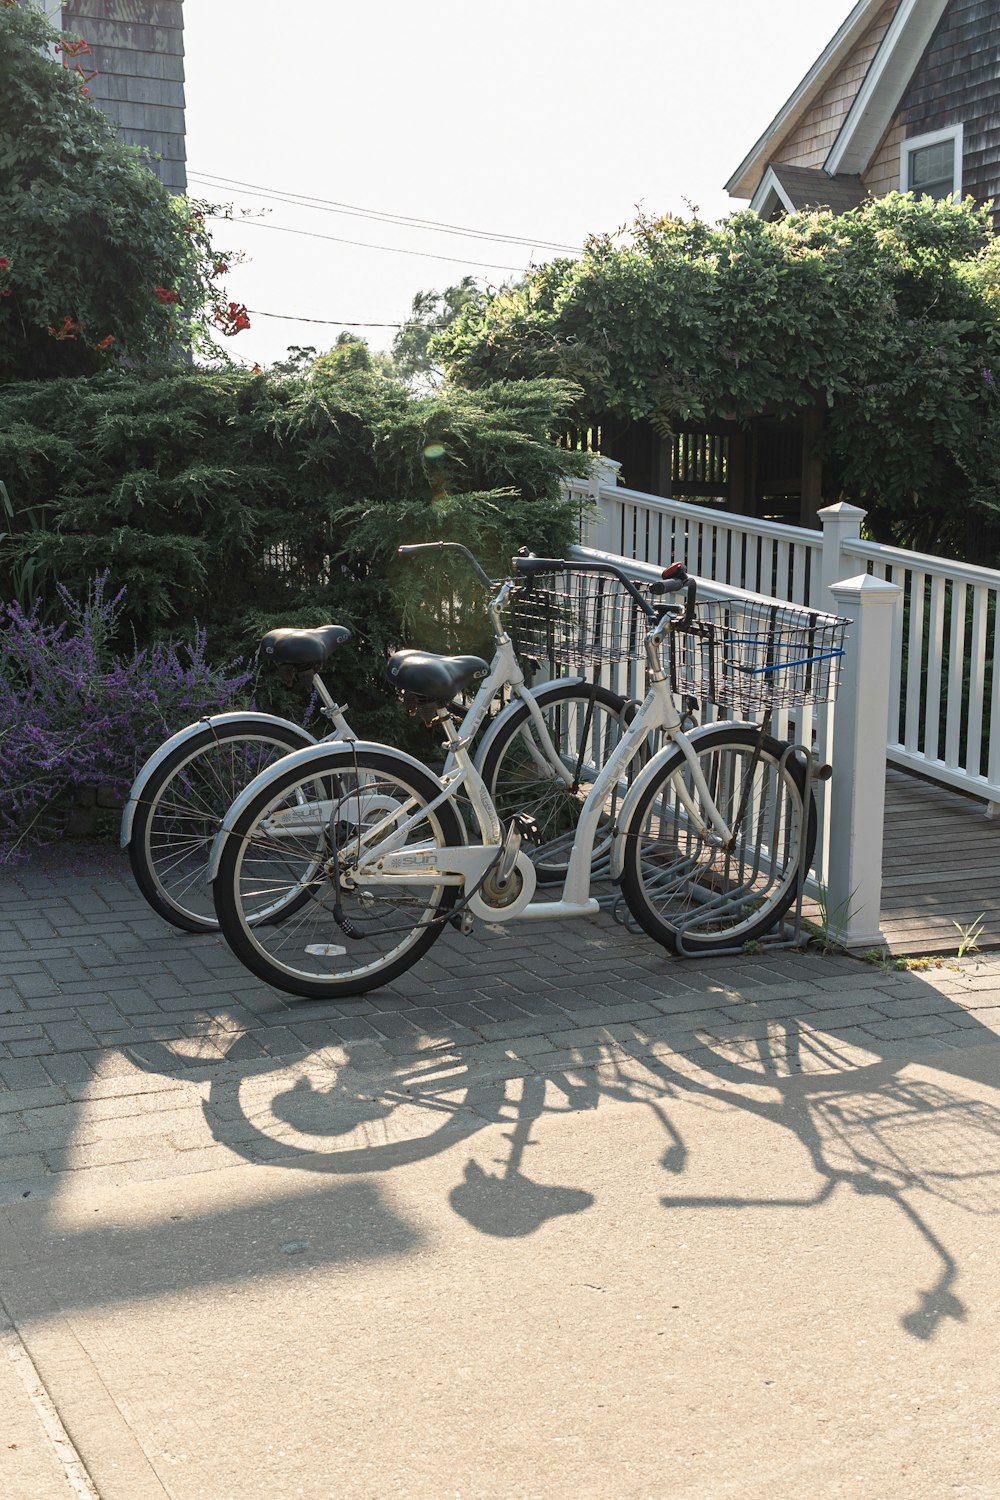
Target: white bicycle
180,796
365,853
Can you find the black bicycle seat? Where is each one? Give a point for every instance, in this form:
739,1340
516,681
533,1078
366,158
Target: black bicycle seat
301,649
436,679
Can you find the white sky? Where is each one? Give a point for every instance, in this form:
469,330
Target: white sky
530,119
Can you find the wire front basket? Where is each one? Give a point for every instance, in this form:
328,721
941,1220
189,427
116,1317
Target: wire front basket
753,656
748,656
578,619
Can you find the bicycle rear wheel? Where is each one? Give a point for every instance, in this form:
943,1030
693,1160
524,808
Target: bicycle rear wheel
690,894
181,805
584,724
294,848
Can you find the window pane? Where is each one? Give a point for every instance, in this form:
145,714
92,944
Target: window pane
932,169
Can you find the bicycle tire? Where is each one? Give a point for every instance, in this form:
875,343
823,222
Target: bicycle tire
182,806
310,951
517,784
694,897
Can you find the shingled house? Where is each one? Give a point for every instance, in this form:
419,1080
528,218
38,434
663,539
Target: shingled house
906,96
137,50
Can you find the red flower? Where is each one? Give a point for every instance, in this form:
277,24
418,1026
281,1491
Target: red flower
67,329
166,295
4,263
105,343
231,318
220,268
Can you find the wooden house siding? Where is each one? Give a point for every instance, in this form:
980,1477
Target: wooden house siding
137,48
810,141
958,83
882,175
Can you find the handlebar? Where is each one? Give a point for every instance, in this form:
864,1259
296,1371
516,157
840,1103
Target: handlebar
675,578
414,547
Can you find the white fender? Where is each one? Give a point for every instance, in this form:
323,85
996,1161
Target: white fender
638,786
155,761
303,758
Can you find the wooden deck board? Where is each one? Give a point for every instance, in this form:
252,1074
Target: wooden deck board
941,865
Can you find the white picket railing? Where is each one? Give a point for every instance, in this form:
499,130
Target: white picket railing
944,691
847,867
760,557
945,684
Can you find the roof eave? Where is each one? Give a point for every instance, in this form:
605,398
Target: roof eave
770,184
884,84
744,180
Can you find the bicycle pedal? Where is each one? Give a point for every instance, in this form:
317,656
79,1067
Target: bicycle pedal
463,922
528,829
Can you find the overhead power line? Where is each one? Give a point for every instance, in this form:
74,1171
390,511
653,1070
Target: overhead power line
312,234
342,322
331,205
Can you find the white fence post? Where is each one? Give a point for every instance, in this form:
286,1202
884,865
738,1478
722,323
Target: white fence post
604,472
841,523
857,789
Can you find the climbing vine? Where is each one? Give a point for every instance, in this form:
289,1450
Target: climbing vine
886,318
98,260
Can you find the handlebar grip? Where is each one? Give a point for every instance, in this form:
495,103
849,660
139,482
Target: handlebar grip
532,564
677,577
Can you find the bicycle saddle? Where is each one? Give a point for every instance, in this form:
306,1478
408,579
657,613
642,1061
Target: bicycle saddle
437,679
287,647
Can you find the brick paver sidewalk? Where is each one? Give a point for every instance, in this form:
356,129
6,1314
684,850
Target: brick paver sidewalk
100,1000
149,1088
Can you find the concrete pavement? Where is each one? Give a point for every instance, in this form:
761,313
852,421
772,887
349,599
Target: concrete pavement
555,1215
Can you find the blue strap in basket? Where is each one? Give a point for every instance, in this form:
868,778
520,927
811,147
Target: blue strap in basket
784,666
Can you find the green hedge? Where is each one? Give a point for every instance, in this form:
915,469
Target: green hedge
241,501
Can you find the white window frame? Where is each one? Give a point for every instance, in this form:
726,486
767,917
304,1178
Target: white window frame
932,138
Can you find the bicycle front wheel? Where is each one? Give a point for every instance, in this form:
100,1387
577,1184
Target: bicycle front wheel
686,891
584,725
295,848
181,807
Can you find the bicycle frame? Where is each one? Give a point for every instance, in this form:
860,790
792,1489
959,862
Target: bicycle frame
505,671
386,864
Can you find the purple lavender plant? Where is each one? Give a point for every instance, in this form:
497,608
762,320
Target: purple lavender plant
73,713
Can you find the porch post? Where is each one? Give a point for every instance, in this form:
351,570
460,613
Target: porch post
841,523
857,788
812,467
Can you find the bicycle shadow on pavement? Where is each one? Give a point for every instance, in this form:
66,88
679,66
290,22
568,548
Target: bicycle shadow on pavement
864,1122
865,1127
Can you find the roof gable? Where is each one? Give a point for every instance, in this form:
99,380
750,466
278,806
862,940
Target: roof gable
794,188
903,45
897,55
747,175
